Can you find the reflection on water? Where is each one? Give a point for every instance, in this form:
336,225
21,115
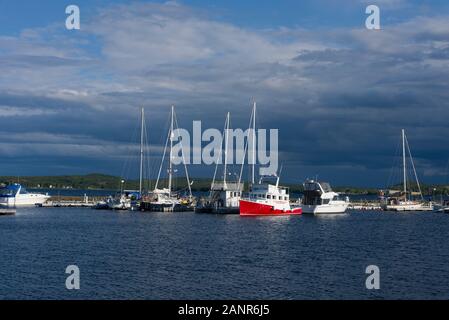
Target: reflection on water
331,216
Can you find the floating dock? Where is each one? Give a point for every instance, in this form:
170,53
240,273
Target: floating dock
66,204
365,205
69,202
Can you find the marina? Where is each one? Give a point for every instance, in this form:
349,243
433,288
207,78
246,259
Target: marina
100,203
229,193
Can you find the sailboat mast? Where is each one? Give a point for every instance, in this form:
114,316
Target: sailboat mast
226,151
254,145
142,115
170,165
404,164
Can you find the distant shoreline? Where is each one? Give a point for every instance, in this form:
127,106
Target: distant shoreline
103,182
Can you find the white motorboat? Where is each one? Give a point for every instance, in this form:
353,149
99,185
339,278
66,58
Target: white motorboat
320,198
15,195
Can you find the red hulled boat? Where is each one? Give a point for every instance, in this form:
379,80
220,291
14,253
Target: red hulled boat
268,199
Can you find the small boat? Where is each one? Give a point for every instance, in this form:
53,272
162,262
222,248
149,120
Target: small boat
123,201
402,200
267,198
101,205
442,207
15,195
319,198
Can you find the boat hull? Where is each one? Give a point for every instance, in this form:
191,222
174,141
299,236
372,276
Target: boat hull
215,210
165,207
325,208
23,201
408,207
252,208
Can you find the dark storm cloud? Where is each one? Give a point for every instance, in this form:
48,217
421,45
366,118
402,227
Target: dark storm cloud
339,97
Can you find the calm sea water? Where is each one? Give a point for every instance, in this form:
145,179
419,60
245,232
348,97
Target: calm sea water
124,255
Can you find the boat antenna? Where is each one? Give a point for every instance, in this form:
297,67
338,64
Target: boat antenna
279,175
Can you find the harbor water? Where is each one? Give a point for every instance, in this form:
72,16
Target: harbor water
134,255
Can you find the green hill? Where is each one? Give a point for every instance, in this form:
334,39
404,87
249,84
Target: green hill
108,182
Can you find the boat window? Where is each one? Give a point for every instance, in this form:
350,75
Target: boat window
326,186
268,196
6,192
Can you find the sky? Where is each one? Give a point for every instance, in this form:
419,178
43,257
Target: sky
338,93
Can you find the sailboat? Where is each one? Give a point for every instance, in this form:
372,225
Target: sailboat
128,199
403,200
224,196
165,199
